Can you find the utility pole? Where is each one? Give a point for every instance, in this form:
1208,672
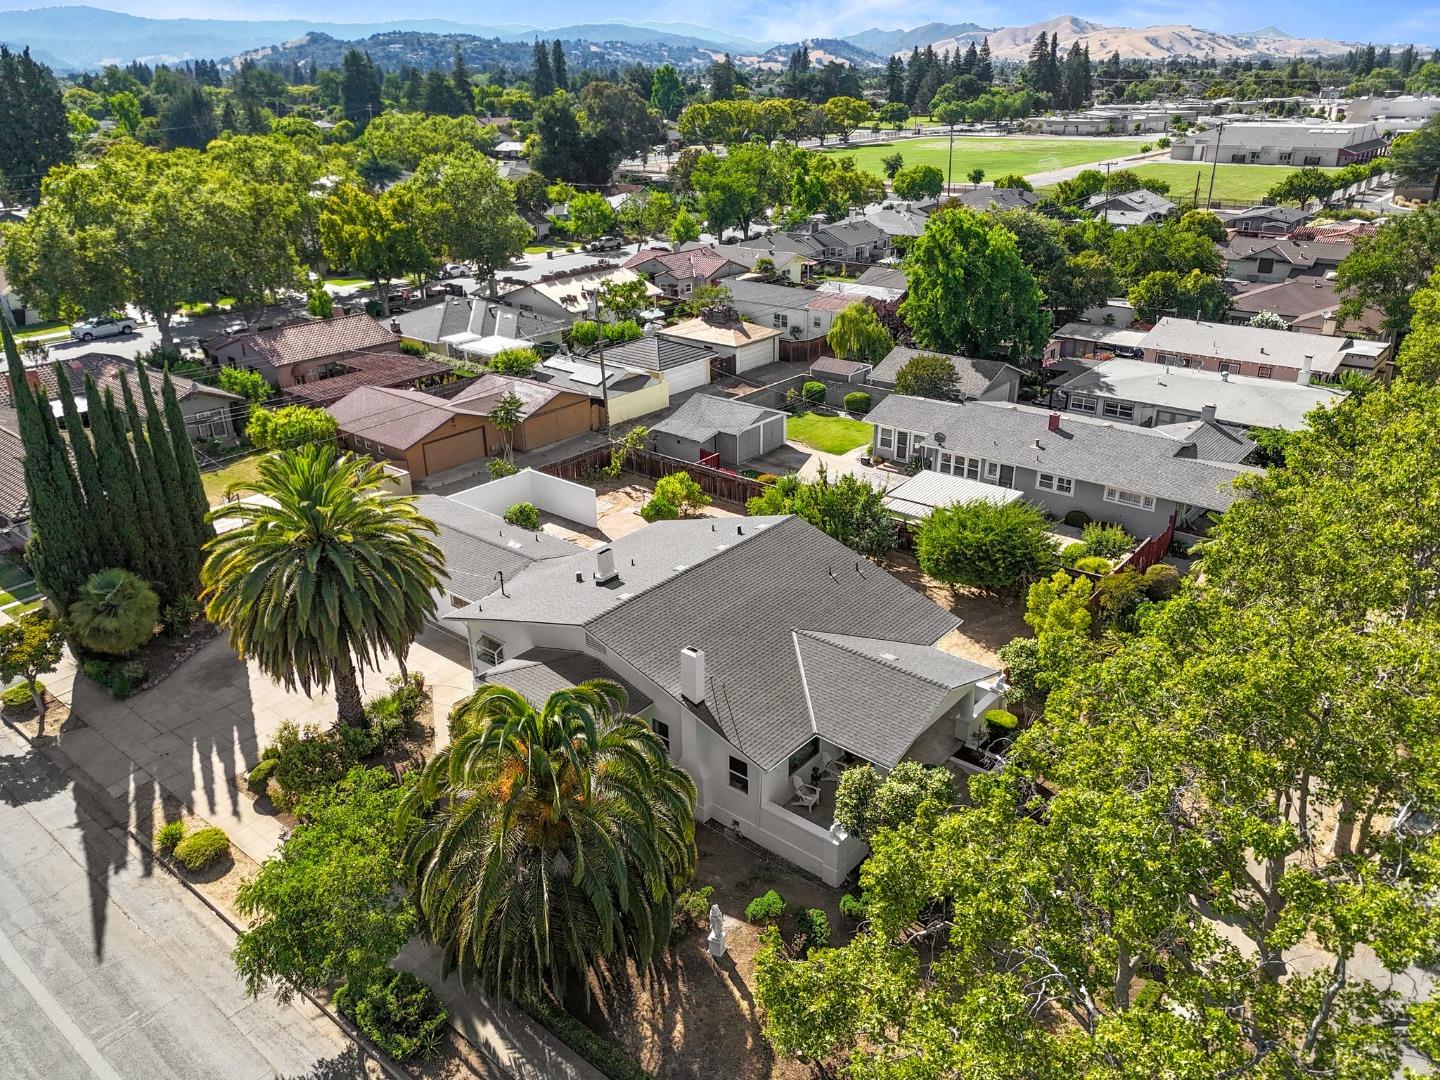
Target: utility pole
1105,206
1214,164
950,161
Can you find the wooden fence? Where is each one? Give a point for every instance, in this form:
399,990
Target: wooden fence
717,483
1149,551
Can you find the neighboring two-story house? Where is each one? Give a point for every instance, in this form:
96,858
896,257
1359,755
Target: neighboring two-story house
677,274
1142,478
803,316
1126,208
1265,258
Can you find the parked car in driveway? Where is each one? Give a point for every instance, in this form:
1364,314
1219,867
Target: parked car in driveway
102,326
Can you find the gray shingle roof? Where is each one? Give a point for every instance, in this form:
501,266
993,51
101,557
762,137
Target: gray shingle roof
655,353
765,294
876,697
478,544
995,198
834,365
1212,441
972,376
885,277
1252,344
703,415
1094,451
456,315
540,672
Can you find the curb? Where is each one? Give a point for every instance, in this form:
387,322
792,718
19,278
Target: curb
77,775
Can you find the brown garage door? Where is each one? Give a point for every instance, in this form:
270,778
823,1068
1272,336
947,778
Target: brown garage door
453,450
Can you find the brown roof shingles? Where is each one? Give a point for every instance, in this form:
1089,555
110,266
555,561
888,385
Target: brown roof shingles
387,369
311,340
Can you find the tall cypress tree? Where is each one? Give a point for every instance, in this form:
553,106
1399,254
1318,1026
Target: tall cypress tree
153,535
185,460
178,506
117,477
542,79
557,66
171,577
87,471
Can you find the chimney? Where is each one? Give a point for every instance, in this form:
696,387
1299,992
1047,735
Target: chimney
1304,377
692,675
605,571
1207,412
1054,421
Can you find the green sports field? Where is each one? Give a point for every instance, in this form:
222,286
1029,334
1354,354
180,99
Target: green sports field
1233,183
996,155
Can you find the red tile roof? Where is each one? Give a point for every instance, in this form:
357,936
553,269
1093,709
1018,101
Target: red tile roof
694,263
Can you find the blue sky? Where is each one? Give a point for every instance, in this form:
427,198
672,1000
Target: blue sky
787,20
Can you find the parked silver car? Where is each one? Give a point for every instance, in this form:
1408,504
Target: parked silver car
102,326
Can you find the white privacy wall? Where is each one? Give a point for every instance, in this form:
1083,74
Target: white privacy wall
563,498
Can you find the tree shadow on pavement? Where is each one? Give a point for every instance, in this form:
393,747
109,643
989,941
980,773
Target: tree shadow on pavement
350,1064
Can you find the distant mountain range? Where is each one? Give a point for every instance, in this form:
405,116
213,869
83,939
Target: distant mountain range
76,38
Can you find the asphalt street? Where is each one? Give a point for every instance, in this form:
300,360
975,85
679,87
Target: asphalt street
110,969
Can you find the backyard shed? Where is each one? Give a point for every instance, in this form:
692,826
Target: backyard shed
708,425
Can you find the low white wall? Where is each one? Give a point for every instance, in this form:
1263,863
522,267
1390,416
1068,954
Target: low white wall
563,498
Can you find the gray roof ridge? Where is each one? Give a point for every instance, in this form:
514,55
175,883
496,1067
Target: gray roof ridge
827,638
740,541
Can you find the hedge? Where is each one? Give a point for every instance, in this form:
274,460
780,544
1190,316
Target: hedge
857,402
593,1047
766,909
399,1014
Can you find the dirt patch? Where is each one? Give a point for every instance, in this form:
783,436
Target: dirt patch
989,621
692,1017
58,718
162,656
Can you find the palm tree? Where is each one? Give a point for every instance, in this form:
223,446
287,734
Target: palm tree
115,613
549,840
324,575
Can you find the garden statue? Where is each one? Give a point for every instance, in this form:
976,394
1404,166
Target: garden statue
716,940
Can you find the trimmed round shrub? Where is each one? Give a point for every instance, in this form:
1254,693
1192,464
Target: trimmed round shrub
660,509
1077,519
765,910
1000,719
498,468
1073,553
1111,541
398,1013
1120,594
813,391
857,402
19,696
168,835
1162,581
258,781
1093,564
523,514
202,848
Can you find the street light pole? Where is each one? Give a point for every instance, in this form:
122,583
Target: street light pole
1214,164
950,162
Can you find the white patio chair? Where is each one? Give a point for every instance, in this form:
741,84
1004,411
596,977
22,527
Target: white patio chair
807,795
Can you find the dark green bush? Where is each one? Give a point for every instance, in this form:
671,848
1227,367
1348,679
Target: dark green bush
19,696
1077,519
1070,554
178,616
857,402
306,761
168,835
1119,595
1022,668
812,929
398,1013
766,910
692,907
594,1048
1162,581
258,780
1000,719
852,907
392,715
523,514
1111,541
202,848
813,391
121,677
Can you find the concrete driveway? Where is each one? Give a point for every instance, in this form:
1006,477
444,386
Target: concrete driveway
204,726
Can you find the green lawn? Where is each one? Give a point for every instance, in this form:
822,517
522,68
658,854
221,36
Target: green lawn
828,434
12,574
997,155
347,281
1233,183
42,330
245,470
27,591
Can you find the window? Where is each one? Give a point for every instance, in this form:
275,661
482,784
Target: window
886,438
740,775
1120,410
816,321
1081,403
1286,156
782,321
1312,159
488,651
1061,485
992,470
804,754
1267,266
1264,371
958,465
1231,366
1129,498
662,732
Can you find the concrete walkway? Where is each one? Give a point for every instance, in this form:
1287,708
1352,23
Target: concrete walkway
1054,176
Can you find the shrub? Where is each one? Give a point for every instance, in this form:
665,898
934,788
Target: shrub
391,716
499,468
1022,670
766,478
986,546
1161,581
683,492
519,362
765,910
19,696
523,514
594,1048
250,385
1110,541
398,1013
290,426
813,391
305,761
852,907
692,909
584,334
120,678
115,612
658,509
1120,594
258,781
1093,564
414,348
202,848
812,929
1077,519
168,835
1073,553
1000,719
865,803
179,615
857,403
